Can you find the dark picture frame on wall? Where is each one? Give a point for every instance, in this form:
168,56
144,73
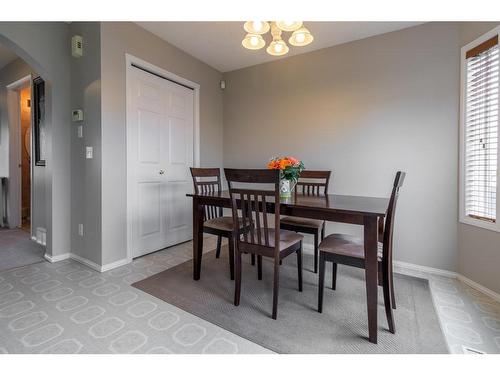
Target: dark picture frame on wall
40,131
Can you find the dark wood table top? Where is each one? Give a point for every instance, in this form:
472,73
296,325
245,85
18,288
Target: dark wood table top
349,204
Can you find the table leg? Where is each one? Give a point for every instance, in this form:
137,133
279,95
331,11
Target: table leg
371,274
198,213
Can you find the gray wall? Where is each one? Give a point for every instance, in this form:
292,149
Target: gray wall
364,110
478,249
86,173
118,38
45,47
9,74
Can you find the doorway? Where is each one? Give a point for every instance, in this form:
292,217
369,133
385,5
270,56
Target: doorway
162,116
25,106
20,165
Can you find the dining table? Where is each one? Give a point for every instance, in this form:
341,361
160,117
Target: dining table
368,212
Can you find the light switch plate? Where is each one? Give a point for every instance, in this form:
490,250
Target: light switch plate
89,152
80,131
80,230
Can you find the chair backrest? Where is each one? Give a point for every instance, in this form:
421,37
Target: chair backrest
313,182
207,181
253,232
391,211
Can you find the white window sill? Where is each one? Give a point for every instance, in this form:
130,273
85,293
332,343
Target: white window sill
481,224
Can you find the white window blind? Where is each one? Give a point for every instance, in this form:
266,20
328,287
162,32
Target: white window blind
481,131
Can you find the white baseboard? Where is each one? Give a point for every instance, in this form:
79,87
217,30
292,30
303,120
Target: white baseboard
56,258
98,268
85,261
405,268
116,264
482,289
411,269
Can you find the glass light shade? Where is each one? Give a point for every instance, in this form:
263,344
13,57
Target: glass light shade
277,47
301,37
289,25
256,27
253,41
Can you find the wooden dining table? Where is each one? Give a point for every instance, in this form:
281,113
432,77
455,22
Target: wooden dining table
368,212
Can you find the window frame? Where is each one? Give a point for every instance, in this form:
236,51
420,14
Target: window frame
463,218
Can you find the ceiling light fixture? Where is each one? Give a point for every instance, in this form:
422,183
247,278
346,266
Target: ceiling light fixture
256,27
278,46
289,25
254,39
301,37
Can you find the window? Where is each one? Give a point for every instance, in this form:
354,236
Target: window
479,132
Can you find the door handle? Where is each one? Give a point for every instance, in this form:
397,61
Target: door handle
161,171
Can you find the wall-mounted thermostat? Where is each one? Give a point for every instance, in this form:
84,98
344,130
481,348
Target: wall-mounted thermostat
77,46
77,115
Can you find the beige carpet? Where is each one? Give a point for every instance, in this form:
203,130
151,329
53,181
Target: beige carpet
341,328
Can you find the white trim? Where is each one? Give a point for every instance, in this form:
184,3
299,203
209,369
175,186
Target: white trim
86,262
113,265
462,217
16,85
477,286
97,267
57,258
129,60
405,268
411,269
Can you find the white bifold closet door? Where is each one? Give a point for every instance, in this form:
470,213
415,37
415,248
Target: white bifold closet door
161,152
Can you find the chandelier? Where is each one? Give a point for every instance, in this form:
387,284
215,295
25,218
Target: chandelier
256,29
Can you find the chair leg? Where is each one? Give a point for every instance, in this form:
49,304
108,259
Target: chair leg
321,282
299,266
316,251
252,256
231,257
393,295
387,302
281,262
259,267
323,231
334,276
219,244
237,282
276,287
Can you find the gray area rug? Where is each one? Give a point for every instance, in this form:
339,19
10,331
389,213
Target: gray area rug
341,328
17,249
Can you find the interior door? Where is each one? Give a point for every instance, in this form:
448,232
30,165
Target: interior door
161,152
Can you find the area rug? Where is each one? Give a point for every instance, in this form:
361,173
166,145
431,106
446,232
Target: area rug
341,328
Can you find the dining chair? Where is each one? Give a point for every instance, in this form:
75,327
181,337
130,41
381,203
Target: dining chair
349,250
208,181
313,183
261,239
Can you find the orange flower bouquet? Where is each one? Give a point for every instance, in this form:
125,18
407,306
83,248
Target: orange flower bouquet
290,169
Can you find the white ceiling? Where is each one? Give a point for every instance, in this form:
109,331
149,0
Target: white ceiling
6,56
219,43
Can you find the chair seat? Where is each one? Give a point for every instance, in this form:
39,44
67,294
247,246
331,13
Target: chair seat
302,222
223,223
287,238
346,245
